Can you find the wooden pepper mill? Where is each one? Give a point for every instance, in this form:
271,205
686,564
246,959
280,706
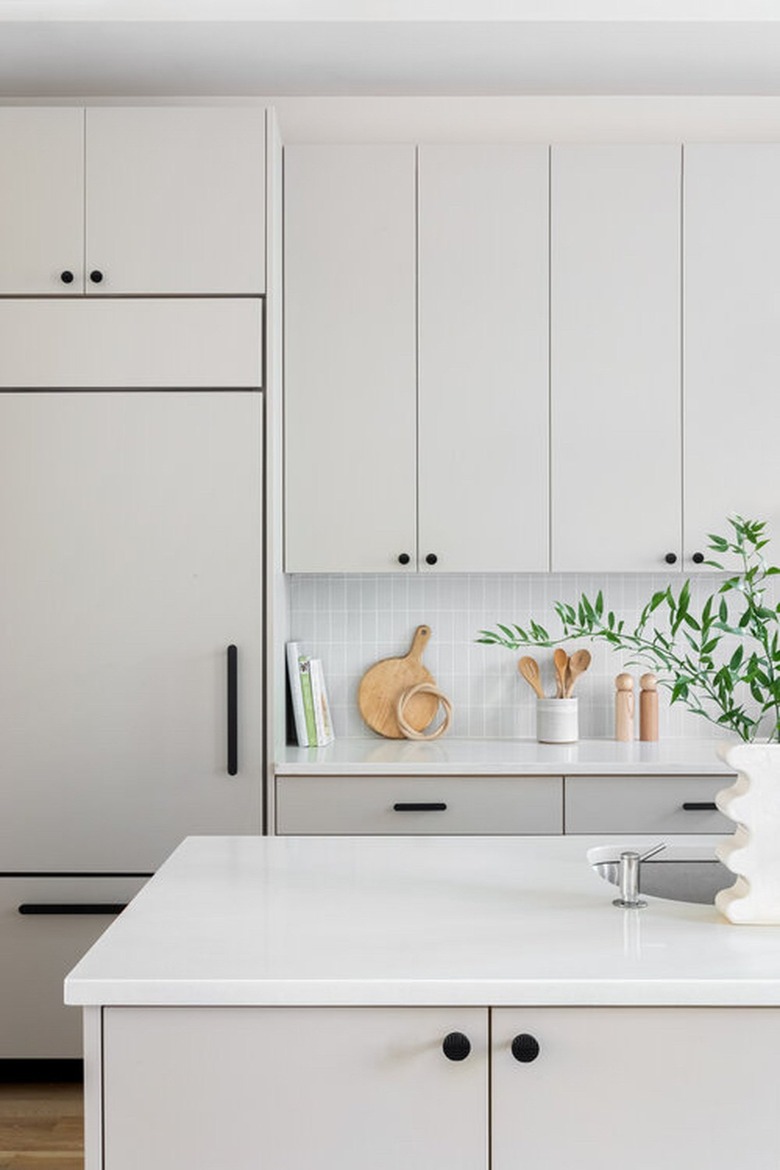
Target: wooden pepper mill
648,708
624,708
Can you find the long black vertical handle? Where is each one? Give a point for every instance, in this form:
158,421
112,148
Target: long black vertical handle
232,710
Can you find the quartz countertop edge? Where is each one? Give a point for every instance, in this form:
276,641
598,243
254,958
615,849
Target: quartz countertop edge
405,921
450,756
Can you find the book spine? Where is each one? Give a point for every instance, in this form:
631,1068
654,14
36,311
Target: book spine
296,693
308,699
321,707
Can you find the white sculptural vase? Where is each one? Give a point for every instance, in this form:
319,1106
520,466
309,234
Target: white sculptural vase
753,853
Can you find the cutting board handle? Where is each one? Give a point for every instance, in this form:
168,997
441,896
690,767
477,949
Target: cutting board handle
419,642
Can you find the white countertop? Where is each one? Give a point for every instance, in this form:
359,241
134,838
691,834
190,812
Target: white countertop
415,921
452,757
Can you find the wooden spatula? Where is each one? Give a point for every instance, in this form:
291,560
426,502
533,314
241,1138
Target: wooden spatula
529,668
578,664
561,664
383,684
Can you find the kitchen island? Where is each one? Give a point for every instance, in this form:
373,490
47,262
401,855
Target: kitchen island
309,1003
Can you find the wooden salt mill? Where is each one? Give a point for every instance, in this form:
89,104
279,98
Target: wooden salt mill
648,708
624,708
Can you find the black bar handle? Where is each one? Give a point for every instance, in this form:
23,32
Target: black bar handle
420,806
232,710
700,806
72,907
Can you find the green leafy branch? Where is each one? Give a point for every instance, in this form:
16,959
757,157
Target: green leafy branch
692,652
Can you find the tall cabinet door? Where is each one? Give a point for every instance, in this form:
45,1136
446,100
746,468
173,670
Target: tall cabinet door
41,201
732,338
350,377
483,390
175,200
299,1088
131,529
615,308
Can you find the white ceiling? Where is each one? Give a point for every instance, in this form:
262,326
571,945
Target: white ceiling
83,53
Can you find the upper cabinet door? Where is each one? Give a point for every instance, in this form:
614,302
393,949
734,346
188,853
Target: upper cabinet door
483,345
175,200
615,303
350,409
41,201
732,338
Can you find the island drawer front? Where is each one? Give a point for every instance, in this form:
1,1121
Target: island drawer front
406,805
644,804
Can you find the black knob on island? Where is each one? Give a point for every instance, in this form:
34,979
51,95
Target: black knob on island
671,558
96,276
456,1046
698,558
431,559
403,558
525,1048
67,276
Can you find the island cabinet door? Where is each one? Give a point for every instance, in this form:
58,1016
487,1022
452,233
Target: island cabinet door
641,1087
295,1088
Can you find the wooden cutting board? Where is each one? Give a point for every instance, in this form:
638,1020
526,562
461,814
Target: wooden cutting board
383,684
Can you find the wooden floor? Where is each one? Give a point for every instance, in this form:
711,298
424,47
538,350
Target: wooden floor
41,1127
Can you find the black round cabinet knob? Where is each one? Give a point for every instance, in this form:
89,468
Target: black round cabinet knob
403,558
67,276
456,1046
96,276
671,558
431,559
698,558
525,1048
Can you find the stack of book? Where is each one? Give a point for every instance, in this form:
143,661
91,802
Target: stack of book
309,699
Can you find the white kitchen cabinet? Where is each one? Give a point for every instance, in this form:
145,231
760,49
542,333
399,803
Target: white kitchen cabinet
416,434
311,1088
644,804
732,338
299,1088
131,526
41,199
419,804
615,357
157,199
350,394
483,358
644,1087
46,924
141,342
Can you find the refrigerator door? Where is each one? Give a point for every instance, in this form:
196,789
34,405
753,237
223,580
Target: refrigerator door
131,540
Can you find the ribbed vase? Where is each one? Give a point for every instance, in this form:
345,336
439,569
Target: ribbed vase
753,853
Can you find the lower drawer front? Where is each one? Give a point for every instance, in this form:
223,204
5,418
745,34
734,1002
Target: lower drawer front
419,805
38,946
646,804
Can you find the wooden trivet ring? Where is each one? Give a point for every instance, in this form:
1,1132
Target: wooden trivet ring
430,689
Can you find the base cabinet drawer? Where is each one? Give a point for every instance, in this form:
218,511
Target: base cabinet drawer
644,804
419,805
46,925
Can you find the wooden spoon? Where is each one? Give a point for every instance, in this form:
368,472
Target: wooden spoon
561,664
578,664
529,668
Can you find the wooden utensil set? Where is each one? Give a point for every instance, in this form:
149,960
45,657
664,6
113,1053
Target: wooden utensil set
567,671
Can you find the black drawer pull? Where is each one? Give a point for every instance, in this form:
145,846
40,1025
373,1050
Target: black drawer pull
420,806
700,806
72,907
232,710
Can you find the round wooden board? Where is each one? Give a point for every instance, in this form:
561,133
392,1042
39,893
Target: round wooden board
383,684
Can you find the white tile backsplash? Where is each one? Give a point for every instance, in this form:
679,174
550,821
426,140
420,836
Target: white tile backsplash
350,622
